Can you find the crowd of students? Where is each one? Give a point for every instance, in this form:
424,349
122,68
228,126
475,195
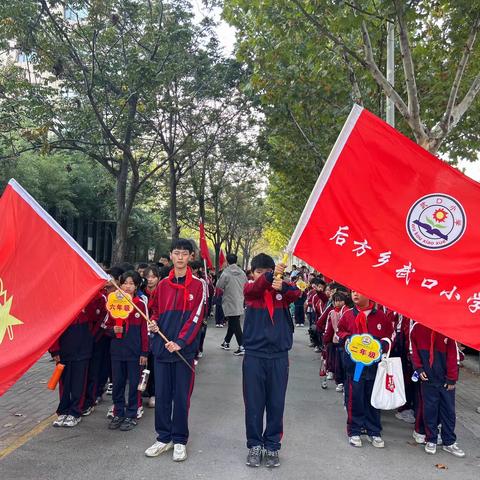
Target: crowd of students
177,297
430,363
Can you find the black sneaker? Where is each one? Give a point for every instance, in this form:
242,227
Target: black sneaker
271,458
115,422
239,351
254,457
225,346
128,424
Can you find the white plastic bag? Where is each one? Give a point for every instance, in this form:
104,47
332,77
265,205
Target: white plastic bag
389,388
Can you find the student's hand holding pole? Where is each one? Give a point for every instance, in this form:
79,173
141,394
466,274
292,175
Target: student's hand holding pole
277,284
143,361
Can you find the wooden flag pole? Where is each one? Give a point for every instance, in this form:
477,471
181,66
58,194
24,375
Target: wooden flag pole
149,322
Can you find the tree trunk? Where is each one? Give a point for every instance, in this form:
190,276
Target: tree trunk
120,245
174,227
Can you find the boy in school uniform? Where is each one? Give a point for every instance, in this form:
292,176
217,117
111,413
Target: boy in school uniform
435,359
364,317
268,336
177,310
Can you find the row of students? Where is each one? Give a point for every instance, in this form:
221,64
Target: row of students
425,354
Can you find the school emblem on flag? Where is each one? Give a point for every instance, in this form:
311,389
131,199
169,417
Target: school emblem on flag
436,221
7,320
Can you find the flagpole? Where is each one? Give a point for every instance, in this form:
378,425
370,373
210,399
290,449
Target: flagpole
127,297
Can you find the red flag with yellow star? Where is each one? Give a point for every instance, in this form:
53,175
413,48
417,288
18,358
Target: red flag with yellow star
46,278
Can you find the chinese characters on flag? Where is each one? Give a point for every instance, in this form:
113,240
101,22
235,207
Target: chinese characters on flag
392,221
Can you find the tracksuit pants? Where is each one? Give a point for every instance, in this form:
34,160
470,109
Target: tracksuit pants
123,371
360,413
101,350
73,384
234,328
299,315
264,389
438,407
173,388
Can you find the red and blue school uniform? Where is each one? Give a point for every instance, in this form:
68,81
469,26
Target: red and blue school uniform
97,375
310,311
334,349
75,347
361,415
267,338
217,301
177,308
437,356
125,353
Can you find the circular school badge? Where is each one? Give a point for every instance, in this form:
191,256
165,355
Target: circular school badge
436,221
190,297
278,296
379,326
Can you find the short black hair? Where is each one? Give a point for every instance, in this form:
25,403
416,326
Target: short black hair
165,255
137,279
339,297
317,281
262,260
142,265
182,244
152,269
232,259
126,266
196,265
115,272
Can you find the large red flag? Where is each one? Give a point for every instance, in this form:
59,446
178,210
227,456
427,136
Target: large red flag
45,280
204,252
394,222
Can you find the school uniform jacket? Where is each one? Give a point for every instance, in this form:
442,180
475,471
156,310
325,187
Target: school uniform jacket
435,354
378,325
333,320
178,311
268,326
76,342
134,340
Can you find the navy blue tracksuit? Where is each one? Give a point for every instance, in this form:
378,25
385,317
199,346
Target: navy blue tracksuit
125,353
75,349
267,338
436,356
177,307
360,412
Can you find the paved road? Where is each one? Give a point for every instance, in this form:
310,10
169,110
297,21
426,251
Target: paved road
314,444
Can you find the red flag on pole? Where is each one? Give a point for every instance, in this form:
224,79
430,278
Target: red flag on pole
221,259
392,221
204,247
46,278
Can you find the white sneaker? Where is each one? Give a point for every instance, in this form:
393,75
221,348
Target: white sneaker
157,448
59,421
355,441
200,355
406,416
418,437
151,402
110,412
140,412
179,452
454,450
431,448
71,421
339,387
330,376
478,409
109,389
376,442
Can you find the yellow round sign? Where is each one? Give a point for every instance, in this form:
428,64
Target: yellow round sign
118,305
364,349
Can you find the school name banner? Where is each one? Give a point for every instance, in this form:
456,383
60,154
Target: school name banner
46,278
392,221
